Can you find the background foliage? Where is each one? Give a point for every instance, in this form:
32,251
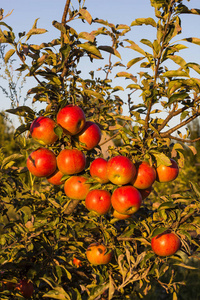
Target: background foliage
39,234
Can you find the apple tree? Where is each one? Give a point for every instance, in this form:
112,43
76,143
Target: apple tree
57,240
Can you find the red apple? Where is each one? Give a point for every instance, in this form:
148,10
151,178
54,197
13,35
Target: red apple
42,162
146,192
98,201
145,175
98,170
167,173
71,118
77,262
120,170
71,161
26,288
165,244
98,254
126,200
90,135
42,130
120,216
76,187
56,178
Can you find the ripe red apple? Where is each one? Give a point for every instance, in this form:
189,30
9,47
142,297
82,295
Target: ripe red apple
167,173
120,216
98,170
98,201
120,170
56,178
26,288
76,187
71,118
42,130
77,262
71,161
126,200
98,254
145,175
165,244
42,162
90,135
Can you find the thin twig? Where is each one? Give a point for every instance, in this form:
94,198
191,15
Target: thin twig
184,140
167,133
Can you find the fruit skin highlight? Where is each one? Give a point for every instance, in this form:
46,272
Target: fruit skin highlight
72,119
42,130
90,135
97,254
145,176
167,173
126,200
76,187
98,170
165,244
41,162
98,201
120,170
71,161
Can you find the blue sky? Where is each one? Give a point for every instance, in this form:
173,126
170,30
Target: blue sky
115,11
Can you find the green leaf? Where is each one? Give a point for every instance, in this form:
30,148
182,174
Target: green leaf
184,114
193,40
57,293
133,86
195,188
194,66
91,49
178,60
185,266
175,73
158,231
167,205
177,97
144,21
134,61
135,47
8,55
21,111
59,26
6,25
22,128
110,50
86,15
118,88
58,131
35,31
126,75
9,159
161,159
87,36
147,42
98,290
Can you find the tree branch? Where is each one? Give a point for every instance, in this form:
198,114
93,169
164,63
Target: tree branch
184,140
168,133
64,17
157,65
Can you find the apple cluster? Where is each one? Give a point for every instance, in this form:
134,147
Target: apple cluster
133,181
44,163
